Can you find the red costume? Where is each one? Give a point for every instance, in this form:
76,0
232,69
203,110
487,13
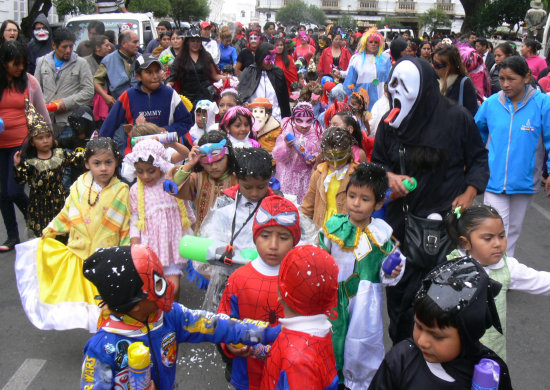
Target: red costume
325,61
304,51
291,73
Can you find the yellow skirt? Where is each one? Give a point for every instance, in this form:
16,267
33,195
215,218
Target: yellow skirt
53,290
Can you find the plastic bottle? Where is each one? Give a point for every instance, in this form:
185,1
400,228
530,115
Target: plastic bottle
2,125
211,251
139,361
163,138
486,375
52,107
408,185
299,148
392,261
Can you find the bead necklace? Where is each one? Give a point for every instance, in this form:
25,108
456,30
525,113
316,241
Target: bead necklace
90,195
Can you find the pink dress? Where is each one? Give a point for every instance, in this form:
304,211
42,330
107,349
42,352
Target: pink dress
292,171
163,229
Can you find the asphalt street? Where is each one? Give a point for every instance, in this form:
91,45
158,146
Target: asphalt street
35,359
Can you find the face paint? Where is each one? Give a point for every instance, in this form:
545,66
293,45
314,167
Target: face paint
271,57
41,34
253,38
404,89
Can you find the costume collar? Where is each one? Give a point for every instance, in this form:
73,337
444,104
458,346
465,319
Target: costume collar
340,230
316,325
265,269
124,324
270,125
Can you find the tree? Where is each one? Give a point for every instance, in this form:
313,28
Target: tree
39,7
434,18
296,13
346,22
471,9
497,12
387,21
189,10
159,8
67,7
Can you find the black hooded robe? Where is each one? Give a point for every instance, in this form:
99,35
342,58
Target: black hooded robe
36,48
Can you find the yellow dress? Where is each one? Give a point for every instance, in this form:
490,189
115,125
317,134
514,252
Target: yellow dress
54,292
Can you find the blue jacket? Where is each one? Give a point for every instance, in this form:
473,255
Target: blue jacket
105,364
516,140
228,56
163,107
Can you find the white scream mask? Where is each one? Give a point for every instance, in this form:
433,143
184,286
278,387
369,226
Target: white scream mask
404,89
261,116
41,34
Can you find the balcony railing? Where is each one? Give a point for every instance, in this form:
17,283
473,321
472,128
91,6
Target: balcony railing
405,7
365,5
448,8
330,4
286,2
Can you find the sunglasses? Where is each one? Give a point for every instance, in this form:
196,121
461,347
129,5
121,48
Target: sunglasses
288,218
438,65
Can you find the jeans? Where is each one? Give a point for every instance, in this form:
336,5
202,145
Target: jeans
67,132
10,193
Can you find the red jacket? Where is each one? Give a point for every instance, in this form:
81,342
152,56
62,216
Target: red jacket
325,62
291,74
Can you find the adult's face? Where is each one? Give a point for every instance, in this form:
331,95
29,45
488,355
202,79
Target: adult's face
279,46
271,29
92,33
176,41
130,46
440,64
226,41
426,51
165,41
499,56
205,32
161,29
64,50
11,32
194,44
372,45
14,68
337,41
103,49
480,48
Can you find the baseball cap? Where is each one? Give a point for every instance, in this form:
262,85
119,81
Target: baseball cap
145,61
206,24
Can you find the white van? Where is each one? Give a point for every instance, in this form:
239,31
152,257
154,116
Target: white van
389,31
142,24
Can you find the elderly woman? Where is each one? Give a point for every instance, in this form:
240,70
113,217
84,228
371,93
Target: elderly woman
439,145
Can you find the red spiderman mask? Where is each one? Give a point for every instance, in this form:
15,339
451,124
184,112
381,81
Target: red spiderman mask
126,275
308,281
277,211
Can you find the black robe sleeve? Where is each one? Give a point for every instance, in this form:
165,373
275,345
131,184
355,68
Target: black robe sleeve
475,157
277,78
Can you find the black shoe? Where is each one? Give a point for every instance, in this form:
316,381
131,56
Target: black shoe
9,244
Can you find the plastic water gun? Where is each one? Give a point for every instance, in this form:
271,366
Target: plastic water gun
52,107
163,138
214,252
390,195
392,261
2,125
299,148
486,375
139,361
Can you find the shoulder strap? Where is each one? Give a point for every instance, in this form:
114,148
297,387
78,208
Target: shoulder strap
461,91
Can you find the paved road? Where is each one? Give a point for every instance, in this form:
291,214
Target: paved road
34,359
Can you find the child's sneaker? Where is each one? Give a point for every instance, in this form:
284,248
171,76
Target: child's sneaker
9,244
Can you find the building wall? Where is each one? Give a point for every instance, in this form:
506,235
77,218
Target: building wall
17,9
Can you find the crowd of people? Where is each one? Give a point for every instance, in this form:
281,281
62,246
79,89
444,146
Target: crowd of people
323,165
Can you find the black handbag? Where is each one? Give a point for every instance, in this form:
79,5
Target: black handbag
426,243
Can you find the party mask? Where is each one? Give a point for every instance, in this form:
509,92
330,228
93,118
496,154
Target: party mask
336,157
41,34
271,57
253,38
288,218
404,89
303,121
261,116
322,43
213,152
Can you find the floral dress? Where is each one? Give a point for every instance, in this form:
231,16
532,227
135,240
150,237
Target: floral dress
45,177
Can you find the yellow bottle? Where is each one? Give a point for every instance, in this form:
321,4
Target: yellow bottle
139,361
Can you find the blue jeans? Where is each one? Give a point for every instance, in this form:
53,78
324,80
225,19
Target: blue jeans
10,193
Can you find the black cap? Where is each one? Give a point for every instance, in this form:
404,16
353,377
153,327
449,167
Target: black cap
145,61
113,272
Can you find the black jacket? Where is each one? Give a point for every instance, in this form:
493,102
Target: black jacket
469,99
489,60
36,48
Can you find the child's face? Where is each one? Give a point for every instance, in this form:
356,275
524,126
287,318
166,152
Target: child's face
102,166
200,115
361,203
216,169
240,128
338,122
147,173
151,78
487,243
225,104
356,105
438,345
254,188
303,124
336,158
43,142
273,243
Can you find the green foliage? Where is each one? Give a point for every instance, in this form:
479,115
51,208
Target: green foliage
298,12
387,21
346,22
159,8
67,7
434,18
494,13
189,10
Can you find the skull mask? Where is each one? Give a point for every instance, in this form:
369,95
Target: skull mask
404,89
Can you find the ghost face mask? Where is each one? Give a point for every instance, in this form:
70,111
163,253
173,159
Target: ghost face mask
404,90
261,116
41,34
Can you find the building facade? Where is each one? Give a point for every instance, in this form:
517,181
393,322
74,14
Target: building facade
16,10
370,12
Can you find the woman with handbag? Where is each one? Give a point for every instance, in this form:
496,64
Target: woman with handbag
437,143
194,71
16,89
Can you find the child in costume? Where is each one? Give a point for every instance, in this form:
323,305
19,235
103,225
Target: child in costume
302,356
266,128
228,98
251,291
205,117
208,171
369,68
479,232
138,305
237,123
360,244
345,120
176,150
326,194
293,169
96,214
42,165
359,101
453,308
158,219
